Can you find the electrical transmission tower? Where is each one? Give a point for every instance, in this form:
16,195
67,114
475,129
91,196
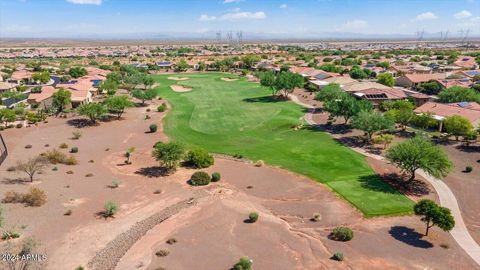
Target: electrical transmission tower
239,39
219,37
230,38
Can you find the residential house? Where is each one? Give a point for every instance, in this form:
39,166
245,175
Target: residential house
440,111
414,80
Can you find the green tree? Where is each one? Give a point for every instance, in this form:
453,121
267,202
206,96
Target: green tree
458,94
42,77
401,116
201,66
267,79
61,99
148,81
287,82
424,120
249,61
419,153
243,264
434,215
93,111
117,104
7,116
457,126
384,139
144,95
357,73
182,65
330,92
110,86
346,106
77,72
371,122
430,87
169,154
386,79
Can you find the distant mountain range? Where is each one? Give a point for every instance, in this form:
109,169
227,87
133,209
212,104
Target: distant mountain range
211,35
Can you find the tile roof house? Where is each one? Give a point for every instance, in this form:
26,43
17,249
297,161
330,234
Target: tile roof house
414,80
379,95
44,99
466,62
469,110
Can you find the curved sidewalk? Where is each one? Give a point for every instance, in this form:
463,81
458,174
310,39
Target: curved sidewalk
447,198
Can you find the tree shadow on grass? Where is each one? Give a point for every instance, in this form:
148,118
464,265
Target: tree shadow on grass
409,236
265,99
154,171
393,183
333,129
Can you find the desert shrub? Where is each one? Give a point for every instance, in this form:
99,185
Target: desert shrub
468,169
71,160
153,128
238,156
149,110
63,146
171,241
199,158
316,217
259,163
74,149
157,191
91,161
110,209
115,184
19,125
54,156
162,253
76,135
342,234
10,234
161,108
69,172
35,197
68,212
89,175
55,168
338,256
80,268
200,179
47,145
253,217
28,146
243,264
147,117
12,197
216,177
11,169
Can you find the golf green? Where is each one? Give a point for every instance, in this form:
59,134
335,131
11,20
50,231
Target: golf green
240,118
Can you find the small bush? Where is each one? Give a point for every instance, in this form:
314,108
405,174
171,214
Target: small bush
171,241
55,169
63,146
28,146
80,268
47,145
342,234
316,217
19,125
54,156
147,117
69,172
161,108
12,197
338,256
91,161
157,191
71,160
468,169
243,264
89,175
148,110
200,179
74,149
153,128
76,135
199,158
115,184
68,212
35,197
259,163
253,217
216,177
110,209
162,253
11,169
10,234
238,156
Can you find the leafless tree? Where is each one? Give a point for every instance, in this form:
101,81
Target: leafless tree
32,166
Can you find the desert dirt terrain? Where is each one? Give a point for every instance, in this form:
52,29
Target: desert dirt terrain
207,222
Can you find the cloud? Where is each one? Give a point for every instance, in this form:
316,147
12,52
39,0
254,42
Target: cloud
283,6
243,15
231,1
16,28
425,16
206,18
86,2
462,14
355,25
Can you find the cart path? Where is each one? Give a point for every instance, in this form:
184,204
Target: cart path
447,199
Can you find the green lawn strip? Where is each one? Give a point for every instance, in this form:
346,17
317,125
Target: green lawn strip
240,118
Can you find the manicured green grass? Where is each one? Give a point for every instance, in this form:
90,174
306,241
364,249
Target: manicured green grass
240,118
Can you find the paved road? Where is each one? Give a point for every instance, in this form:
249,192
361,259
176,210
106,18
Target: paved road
447,198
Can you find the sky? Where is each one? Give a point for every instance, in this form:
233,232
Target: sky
295,18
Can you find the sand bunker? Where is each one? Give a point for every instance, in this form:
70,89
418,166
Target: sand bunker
229,79
178,78
180,88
